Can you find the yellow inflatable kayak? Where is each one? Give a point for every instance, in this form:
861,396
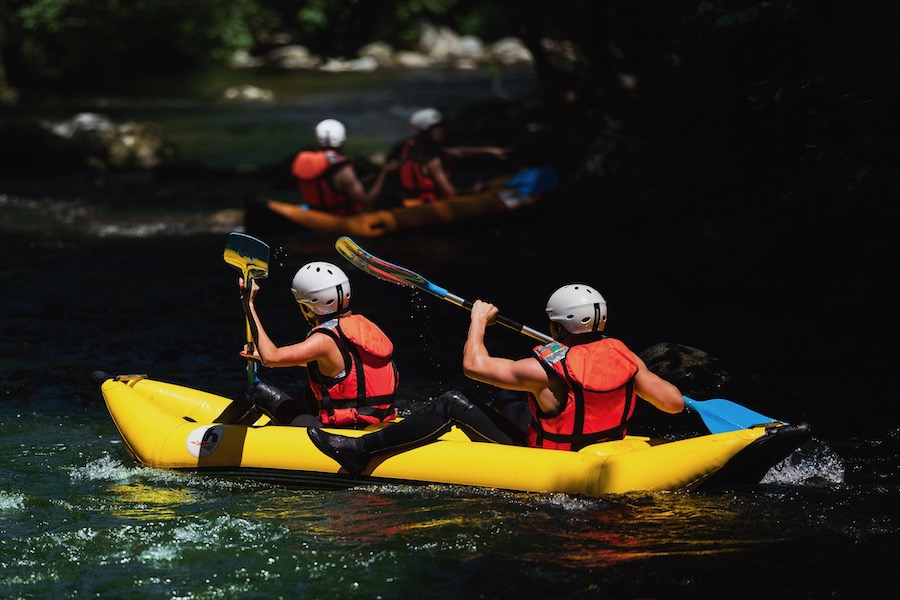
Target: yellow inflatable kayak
170,426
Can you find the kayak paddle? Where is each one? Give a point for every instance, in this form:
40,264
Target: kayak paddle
718,415
392,273
251,257
723,415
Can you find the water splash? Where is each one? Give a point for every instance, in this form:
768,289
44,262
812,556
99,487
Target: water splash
105,468
11,501
814,464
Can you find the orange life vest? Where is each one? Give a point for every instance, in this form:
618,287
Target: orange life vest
601,396
415,183
364,392
315,171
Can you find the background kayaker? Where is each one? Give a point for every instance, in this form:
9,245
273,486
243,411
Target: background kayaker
327,179
424,159
581,389
351,374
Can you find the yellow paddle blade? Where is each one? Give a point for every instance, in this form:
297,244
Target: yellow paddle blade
247,254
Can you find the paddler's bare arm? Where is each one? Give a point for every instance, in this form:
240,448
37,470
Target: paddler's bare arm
656,390
317,347
434,169
526,375
349,184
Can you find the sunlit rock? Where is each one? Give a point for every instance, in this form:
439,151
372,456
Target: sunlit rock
380,52
510,51
293,57
248,93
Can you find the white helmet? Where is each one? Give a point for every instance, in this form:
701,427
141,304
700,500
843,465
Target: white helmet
321,288
577,307
425,119
331,133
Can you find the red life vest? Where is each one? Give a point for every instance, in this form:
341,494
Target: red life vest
415,183
364,392
601,396
315,172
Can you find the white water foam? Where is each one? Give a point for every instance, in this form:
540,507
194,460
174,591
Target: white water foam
11,501
814,464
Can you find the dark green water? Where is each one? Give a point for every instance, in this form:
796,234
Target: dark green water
145,289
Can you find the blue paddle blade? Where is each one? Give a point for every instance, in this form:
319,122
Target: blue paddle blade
723,415
533,181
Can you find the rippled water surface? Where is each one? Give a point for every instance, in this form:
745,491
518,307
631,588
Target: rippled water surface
145,290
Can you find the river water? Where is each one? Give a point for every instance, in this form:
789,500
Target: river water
130,289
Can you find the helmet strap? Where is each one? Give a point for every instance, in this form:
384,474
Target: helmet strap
596,326
340,296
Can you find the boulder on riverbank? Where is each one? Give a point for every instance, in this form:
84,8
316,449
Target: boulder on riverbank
86,141
438,47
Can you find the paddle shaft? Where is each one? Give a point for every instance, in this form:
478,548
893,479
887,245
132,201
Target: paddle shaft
393,273
251,257
252,374
519,327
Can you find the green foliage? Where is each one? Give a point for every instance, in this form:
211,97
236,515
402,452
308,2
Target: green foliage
341,28
97,43
47,14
